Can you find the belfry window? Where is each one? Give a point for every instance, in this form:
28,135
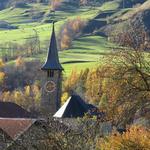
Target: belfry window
50,73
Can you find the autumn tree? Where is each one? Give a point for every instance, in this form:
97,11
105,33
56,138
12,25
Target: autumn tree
132,75
83,2
19,62
69,31
135,138
55,4
29,97
120,87
2,74
133,36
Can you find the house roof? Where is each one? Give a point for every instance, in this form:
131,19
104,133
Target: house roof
52,61
12,110
72,108
15,127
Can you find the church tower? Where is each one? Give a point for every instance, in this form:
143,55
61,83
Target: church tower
52,80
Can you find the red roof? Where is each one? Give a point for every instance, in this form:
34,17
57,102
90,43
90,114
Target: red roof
15,127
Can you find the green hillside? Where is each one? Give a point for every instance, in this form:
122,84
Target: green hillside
85,50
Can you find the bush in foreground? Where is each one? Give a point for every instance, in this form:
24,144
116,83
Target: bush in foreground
136,138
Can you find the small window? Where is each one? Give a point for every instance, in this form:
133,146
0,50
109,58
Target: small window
50,73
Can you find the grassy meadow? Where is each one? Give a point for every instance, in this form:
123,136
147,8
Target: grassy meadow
85,51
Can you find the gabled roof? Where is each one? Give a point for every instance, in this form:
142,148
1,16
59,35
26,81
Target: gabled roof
52,61
73,107
12,110
15,127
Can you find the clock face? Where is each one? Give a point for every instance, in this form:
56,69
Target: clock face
50,86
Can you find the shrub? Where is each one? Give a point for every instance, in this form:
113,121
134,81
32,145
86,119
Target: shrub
136,138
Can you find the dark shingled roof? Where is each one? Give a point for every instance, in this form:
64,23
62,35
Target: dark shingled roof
74,107
52,61
12,110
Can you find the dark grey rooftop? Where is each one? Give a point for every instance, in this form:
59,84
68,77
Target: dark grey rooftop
52,62
12,110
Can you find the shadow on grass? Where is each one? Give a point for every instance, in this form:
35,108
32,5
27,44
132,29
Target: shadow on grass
90,40
76,61
80,48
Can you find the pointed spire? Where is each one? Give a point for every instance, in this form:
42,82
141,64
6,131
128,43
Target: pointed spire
52,62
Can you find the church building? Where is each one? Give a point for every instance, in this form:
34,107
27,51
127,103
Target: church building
75,106
52,79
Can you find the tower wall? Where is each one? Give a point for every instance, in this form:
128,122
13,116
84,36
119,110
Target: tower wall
51,101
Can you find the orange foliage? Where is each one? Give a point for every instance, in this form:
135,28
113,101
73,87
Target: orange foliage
2,76
71,81
66,42
55,4
64,97
83,2
136,138
19,61
1,63
69,31
27,98
118,90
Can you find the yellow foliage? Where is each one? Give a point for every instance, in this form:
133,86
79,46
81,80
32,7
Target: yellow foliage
65,30
136,138
2,76
65,41
64,46
69,31
5,96
72,80
83,2
1,63
93,86
19,61
30,96
64,97
55,4
27,90
37,94
17,96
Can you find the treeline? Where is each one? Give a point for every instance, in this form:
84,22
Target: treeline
11,51
120,87
19,84
20,74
